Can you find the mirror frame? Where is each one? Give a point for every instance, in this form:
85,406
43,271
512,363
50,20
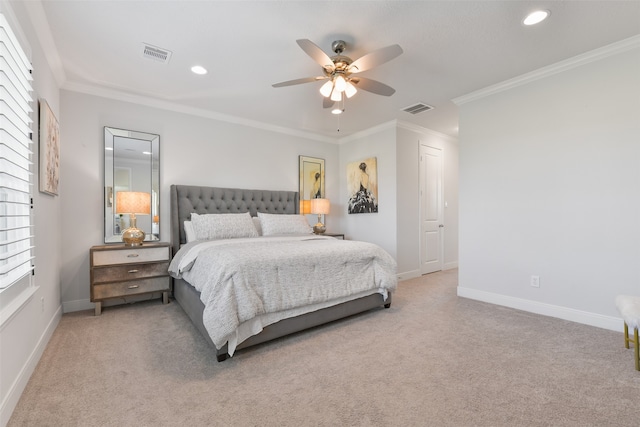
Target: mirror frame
110,163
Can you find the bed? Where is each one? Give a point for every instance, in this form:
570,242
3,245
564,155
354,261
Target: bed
187,199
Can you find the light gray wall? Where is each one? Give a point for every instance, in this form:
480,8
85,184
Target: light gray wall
378,228
396,227
549,186
24,336
193,150
409,140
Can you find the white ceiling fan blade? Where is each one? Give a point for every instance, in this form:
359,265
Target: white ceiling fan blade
375,58
299,81
373,86
317,54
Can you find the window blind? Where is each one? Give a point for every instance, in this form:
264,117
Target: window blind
15,159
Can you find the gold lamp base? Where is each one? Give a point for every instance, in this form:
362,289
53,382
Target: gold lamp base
133,236
319,228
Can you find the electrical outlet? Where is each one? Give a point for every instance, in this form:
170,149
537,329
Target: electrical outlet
535,281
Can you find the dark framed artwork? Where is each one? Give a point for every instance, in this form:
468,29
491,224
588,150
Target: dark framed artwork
49,154
362,184
311,178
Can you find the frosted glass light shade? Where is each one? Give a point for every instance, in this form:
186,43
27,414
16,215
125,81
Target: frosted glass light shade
326,88
350,90
340,84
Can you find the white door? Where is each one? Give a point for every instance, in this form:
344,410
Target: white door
431,207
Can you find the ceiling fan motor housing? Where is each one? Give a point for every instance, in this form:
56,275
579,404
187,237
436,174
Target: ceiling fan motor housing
338,46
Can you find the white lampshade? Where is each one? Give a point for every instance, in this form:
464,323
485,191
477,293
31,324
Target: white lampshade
350,90
320,206
326,88
340,84
133,202
336,95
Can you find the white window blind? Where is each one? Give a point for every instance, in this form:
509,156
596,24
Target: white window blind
15,159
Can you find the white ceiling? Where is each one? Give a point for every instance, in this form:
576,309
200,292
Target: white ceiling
451,48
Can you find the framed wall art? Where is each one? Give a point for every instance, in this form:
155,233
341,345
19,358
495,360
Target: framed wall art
311,178
362,183
49,155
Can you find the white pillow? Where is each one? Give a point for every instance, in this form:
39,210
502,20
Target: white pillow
223,226
189,233
283,224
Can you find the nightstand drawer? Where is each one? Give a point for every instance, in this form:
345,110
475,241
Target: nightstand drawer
129,272
130,256
121,289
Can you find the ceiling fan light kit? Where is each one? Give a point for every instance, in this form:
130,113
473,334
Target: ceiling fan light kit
339,68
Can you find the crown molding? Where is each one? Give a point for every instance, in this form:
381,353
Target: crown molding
371,131
40,24
423,130
576,61
179,108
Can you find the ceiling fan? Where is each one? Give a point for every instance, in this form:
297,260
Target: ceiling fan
339,70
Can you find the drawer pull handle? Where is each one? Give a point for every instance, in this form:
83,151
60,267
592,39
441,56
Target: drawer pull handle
132,256
133,271
133,287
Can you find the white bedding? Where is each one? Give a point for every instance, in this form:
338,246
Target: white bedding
249,283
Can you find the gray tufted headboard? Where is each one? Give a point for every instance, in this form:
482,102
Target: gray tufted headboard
186,199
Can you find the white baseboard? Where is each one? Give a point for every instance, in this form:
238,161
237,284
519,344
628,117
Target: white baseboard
16,389
573,315
406,275
77,305
450,265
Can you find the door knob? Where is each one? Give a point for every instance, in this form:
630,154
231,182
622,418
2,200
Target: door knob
441,225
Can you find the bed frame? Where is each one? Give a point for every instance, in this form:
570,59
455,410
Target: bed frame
186,199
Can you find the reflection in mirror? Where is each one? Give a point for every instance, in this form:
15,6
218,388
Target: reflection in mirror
131,163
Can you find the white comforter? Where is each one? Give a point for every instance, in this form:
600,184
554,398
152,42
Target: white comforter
241,279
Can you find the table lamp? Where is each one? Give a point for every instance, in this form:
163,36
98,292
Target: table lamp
132,203
320,207
305,207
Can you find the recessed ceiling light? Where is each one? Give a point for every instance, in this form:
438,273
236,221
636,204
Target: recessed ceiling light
199,69
536,17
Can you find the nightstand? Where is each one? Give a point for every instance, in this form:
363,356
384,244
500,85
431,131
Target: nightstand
336,235
119,271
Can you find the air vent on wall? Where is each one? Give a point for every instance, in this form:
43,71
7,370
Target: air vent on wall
156,53
417,108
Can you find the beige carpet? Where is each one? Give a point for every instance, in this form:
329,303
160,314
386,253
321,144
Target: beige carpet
432,359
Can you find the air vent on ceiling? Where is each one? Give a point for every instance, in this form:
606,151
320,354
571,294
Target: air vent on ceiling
417,108
156,53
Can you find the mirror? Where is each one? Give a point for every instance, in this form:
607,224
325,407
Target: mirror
131,163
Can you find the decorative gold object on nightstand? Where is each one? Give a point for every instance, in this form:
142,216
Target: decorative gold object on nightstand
119,271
